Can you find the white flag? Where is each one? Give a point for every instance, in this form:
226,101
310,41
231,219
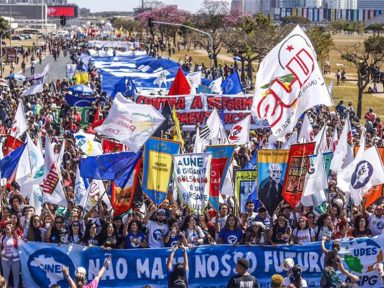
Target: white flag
96,190
315,183
343,154
288,71
214,129
60,156
200,143
36,199
30,168
130,123
81,192
306,129
192,175
194,80
361,144
86,142
361,175
38,87
19,123
53,191
239,133
321,141
71,69
335,140
290,141
215,86
162,78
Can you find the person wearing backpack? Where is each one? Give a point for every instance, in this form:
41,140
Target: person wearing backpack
10,260
178,274
303,234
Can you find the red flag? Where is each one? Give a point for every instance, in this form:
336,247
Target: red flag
180,85
11,144
96,122
122,197
297,168
111,146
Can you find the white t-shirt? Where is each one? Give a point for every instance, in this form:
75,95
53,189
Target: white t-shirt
10,252
156,234
303,236
376,224
324,231
287,282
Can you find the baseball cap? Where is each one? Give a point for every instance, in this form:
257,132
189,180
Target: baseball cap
81,270
161,212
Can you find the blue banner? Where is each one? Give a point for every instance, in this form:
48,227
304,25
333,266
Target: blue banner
209,266
79,101
158,162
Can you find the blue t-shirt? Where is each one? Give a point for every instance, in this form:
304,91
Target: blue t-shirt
173,240
231,236
130,240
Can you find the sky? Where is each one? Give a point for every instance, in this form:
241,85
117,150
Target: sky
128,5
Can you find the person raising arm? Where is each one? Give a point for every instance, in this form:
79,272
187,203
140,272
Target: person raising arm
81,279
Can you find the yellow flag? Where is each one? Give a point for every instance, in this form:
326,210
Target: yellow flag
176,127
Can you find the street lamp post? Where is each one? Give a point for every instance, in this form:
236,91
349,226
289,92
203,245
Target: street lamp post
194,29
1,48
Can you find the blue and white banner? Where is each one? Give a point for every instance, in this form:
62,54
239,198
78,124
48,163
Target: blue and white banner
210,266
79,101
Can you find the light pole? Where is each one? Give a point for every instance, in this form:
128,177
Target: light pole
1,47
194,29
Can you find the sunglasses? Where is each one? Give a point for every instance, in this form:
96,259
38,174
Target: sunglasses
59,222
75,225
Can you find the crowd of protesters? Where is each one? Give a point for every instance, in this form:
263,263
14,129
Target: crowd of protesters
48,112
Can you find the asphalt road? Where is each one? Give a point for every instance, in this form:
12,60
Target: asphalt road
57,70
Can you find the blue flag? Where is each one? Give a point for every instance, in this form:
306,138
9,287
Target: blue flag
125,86
79,101
112,166
9,163
232,84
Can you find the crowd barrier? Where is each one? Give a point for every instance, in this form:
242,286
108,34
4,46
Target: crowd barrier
210,266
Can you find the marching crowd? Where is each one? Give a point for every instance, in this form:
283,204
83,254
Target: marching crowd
172,224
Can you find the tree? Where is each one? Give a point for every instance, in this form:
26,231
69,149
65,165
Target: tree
376,28
366,57
213,18
165,14
4,25
295,20
322,42
252,39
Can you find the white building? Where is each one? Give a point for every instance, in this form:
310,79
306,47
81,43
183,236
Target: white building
370,4
341,4
313,3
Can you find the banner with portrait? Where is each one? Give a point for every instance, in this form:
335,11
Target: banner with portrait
245,187
191,175
298,165
271,169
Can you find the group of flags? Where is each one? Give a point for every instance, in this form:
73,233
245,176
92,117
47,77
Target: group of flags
287,81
